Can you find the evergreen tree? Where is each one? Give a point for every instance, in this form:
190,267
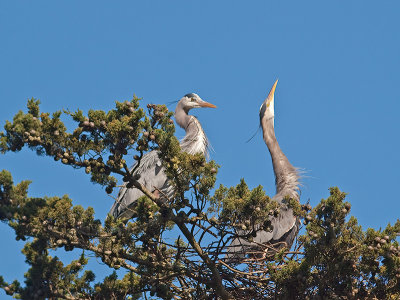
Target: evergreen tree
175,248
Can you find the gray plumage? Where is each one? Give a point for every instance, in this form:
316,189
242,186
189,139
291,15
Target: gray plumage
285,225
151,171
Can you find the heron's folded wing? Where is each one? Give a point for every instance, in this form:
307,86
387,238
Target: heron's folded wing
151,175
283,223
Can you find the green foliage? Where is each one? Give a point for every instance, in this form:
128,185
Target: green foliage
244,209
175,247
340,259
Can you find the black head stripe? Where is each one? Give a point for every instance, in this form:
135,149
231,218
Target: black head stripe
190,95
263,108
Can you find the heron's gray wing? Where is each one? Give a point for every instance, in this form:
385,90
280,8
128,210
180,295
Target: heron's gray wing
152,176
283,223
237,250
285,227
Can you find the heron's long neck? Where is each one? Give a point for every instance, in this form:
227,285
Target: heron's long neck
286,176
195,140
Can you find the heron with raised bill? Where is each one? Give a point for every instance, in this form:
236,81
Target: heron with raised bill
285,225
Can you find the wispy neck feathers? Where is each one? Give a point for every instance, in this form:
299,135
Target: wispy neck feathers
195,140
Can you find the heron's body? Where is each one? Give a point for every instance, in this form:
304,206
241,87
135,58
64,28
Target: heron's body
285,225
151,171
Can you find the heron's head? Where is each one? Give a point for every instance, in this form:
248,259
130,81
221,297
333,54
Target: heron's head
193,100
267,108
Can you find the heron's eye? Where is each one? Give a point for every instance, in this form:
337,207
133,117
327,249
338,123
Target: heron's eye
192,99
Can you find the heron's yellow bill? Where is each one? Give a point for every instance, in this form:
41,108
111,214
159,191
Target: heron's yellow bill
271,93
206,104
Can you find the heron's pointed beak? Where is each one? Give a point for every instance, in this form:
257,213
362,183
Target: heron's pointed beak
270,97
206,104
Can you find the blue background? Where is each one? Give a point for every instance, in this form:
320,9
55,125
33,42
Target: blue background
336,103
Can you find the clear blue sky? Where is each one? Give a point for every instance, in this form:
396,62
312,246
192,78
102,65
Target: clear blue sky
336,105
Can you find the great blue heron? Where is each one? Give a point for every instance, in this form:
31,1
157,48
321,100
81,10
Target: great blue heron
150,171
285,225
